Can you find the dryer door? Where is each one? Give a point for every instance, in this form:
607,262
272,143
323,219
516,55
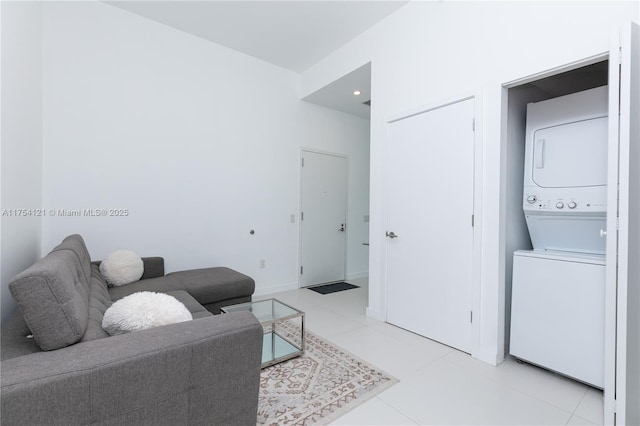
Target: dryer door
571,155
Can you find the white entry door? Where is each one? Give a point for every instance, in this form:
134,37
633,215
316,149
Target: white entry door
323,219
430,197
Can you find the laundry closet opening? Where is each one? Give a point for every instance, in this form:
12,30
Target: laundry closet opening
588,75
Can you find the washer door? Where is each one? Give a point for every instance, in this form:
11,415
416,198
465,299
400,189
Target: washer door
567,233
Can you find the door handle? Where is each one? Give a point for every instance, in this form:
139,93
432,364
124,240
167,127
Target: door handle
391,234
341,227
539,153
603,233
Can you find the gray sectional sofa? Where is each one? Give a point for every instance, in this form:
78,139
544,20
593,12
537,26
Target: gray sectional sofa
59,367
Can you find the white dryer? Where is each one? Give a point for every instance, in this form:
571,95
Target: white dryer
564,197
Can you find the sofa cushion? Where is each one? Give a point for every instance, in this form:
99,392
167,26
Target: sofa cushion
143,310
196,309
161,284
209,285
16,338
53,295
75,244
99,302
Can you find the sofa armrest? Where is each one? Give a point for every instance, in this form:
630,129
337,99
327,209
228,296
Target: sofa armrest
153,267
205,371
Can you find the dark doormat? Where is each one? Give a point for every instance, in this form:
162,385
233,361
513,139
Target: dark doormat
332,288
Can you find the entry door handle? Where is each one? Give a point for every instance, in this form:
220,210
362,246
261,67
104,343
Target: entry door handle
341,227
391,234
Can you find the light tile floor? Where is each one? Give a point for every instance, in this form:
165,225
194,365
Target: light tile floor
440,385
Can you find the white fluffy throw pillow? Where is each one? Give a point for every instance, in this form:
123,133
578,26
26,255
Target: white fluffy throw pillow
143,310
122,267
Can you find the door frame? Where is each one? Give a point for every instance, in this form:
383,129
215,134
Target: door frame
476,261
504,147
615,327
621,245
299,219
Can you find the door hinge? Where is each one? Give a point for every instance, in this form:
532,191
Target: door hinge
303,162
473,220
473,124
471,317
301,216
301,269
617,223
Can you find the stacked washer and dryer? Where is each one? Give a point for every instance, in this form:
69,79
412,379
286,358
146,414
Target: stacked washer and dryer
558,288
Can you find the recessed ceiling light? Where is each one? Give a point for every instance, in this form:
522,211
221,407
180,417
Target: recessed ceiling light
357,93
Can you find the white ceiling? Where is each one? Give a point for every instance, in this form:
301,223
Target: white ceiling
292,34
339,94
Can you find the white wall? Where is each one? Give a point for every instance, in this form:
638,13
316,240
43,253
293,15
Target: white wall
430,51
200,143
358,208
21,152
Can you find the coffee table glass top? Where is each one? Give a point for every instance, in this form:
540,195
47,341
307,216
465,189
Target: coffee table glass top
283,327
265,310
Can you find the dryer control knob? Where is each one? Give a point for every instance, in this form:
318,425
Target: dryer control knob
572,205
559,204
531,199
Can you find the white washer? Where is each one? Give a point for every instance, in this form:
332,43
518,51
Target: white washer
557,313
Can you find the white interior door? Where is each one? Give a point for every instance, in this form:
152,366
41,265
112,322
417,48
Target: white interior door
429,196
323,218
622,323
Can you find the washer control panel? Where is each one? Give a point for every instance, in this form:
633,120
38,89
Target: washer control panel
535,199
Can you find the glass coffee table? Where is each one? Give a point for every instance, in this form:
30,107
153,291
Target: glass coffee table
283,327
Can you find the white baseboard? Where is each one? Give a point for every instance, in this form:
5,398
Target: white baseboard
275,289
486,355
294,286
372,313
357,275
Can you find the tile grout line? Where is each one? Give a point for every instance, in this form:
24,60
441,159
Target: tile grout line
511,388
395,409
584,395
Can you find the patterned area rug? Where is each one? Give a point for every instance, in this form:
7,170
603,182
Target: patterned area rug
317,387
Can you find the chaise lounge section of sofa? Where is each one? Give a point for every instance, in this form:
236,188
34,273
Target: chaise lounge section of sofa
59,366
